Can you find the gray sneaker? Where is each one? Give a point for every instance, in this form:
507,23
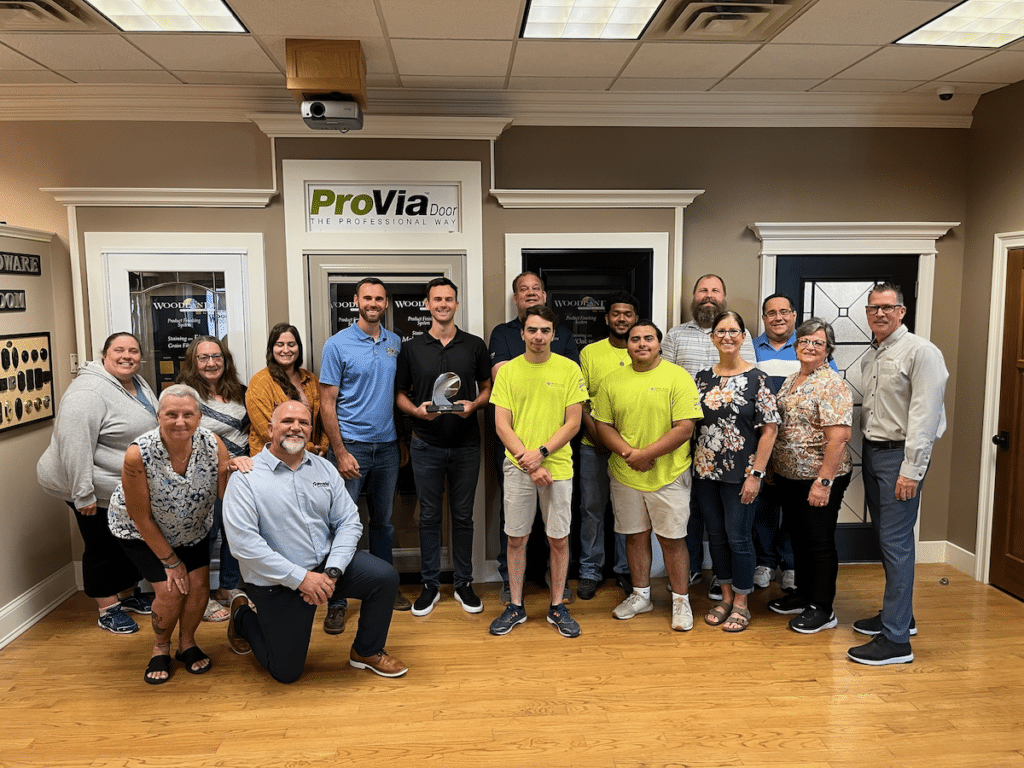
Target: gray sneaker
788,581
514,614
763,576
632,605
566,625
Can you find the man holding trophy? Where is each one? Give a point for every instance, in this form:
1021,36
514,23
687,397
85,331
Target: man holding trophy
443,377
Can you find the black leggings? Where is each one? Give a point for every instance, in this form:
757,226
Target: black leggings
106,569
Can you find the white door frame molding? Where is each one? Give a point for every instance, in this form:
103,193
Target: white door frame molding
1003,243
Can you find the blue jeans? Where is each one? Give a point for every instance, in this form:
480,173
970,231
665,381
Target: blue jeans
378,469
893,520
729,523
228,572
771,541
431,465
594,494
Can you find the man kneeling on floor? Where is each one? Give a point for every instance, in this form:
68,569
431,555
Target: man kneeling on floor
294,529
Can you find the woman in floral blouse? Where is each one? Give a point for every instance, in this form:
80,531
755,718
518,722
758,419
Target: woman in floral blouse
734,443
812,468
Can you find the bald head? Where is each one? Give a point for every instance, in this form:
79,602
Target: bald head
289,429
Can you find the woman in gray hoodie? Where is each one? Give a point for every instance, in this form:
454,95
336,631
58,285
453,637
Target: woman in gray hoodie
106,407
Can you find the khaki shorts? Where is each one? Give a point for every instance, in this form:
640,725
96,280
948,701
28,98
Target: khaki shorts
666,510
521,497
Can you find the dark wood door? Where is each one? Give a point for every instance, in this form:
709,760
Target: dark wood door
1006,569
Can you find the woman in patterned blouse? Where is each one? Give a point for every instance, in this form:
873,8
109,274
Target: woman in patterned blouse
734,443
812,468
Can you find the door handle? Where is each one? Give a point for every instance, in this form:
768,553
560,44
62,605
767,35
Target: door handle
1002,440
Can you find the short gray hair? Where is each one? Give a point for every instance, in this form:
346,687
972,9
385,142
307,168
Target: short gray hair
814,325
179,390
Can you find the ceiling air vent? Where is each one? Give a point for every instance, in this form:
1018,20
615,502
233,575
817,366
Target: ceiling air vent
724,21
46,16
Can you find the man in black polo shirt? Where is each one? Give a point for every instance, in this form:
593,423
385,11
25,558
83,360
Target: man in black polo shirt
507,343
444,445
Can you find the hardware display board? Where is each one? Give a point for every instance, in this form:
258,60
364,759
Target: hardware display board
26,380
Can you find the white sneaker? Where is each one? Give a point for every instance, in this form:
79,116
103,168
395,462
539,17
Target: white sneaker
632,605
682,614
788,581
763,576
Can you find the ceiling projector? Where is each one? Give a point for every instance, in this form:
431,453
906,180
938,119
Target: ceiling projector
332,115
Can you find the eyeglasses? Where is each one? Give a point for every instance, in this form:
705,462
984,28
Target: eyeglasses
887,309
779,313
816,343
207,358
732,333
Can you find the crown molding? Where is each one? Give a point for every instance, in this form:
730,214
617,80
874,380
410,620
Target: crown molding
161,198
595,198
21,233
224,103
381,126
855,237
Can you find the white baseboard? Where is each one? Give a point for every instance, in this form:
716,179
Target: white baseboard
29,607
946,552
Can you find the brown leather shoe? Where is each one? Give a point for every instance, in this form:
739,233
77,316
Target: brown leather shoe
381,663
237,643
402,603
334,621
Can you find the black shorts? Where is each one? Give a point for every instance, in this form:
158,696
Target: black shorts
194,556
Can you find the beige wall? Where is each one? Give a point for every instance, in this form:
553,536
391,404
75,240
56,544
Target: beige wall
749,175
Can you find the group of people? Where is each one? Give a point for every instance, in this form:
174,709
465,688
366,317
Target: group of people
768,421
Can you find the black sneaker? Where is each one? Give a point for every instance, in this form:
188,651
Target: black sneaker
587,588
813,619
505,595
465,595
787,604
873,626
624,582
715,589
138,603
514,614
880,651
428,598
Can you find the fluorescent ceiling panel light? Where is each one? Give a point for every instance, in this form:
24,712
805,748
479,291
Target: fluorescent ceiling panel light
972,24
588,19
169,15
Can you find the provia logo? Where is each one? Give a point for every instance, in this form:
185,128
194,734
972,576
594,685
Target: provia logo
378,204
587,302
189,305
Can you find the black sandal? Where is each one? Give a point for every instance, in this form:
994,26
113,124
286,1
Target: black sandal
191,656
161,663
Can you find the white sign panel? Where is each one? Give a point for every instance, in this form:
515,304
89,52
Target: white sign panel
388,207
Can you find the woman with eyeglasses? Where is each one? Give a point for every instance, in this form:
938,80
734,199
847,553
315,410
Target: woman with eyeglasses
282,380
812,470
734,443
209,369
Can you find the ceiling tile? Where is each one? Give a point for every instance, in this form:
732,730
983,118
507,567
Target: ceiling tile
206,53
664,84
80,51
12,60
453,19
559,83
577,58
972,89
347,20
31,77
479,58
866,86
459,83
899,62
689,60
1001,67
135,76
375,51
801,61
232,78
760,85
861,22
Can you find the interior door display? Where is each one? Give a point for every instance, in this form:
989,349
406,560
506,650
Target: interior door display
26,381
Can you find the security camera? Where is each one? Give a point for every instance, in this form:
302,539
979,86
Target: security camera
945,92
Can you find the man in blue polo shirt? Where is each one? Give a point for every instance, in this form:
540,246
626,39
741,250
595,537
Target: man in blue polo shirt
357,385
776,356
506,343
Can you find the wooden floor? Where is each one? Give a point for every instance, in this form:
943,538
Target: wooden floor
624,694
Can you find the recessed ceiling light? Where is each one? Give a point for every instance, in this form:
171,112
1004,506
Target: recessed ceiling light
169,15
588,19
972,24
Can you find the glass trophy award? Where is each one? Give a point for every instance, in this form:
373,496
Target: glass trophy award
445,386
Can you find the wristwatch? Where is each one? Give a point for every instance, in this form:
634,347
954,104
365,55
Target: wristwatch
824,481
759,473
333,573
544,451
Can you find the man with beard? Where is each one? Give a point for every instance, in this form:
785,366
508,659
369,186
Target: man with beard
689,346
506,343
357,400
597,361
294,529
